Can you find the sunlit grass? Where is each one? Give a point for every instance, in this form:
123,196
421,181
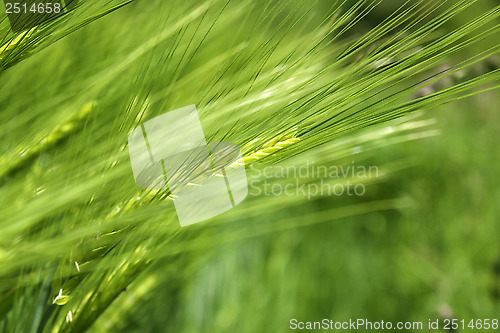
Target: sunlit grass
73,222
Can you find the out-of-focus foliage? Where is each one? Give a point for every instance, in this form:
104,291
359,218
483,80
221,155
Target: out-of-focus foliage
82,248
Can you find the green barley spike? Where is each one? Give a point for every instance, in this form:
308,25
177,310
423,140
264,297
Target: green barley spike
10,162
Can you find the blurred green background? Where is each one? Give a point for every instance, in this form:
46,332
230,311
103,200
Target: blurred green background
437,257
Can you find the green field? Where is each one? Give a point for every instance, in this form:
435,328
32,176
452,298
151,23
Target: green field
326,85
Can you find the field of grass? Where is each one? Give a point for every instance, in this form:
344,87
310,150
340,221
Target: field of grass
339,84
